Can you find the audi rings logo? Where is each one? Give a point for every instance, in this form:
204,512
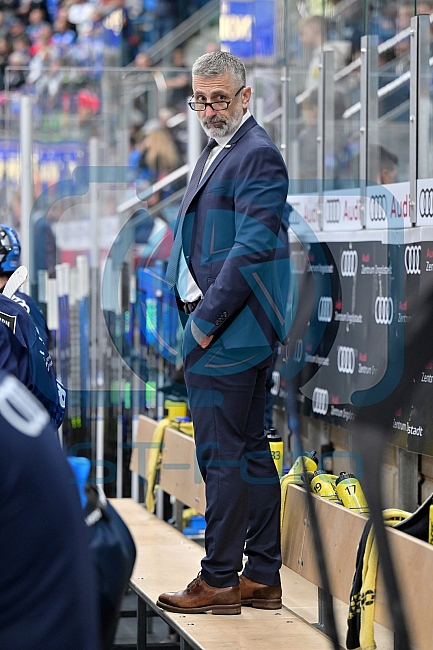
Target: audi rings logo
383,310
299,350
320,401
333,210
378,207
425,202
349,263
324,313
346,360
412,259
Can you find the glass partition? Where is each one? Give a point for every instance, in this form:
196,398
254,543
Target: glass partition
121,108
129,126
389,163
267,99
302,124
312,30
347,123
424,94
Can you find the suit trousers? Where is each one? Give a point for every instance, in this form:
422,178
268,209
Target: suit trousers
242,486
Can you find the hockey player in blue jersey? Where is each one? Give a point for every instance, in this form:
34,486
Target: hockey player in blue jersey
48,586
23,353
10,251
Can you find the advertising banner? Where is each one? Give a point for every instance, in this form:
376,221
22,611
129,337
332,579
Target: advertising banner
424,190
52,162
363,310
341,211
388,206
306,207
247,29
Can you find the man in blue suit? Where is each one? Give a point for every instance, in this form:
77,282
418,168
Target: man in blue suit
227,266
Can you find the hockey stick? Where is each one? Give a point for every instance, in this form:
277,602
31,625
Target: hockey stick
18,277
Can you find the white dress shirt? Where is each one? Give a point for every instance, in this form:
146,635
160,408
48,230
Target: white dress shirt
186,285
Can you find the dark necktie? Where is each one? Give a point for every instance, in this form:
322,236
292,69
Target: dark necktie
173,263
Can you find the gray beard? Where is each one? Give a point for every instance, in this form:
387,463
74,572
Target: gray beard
227,128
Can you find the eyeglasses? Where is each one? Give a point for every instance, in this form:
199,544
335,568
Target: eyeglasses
215,106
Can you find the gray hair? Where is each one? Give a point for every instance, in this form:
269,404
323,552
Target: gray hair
215,64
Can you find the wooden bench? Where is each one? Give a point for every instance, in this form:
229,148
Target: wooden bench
179,474
341,531
168,561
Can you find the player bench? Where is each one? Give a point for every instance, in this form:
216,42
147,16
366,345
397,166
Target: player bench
179,474
168,561
341,531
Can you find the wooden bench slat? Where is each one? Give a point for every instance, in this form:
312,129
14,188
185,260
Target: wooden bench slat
293,533
167,561
413,561
139,455
255,629
180,475
341,531
179,471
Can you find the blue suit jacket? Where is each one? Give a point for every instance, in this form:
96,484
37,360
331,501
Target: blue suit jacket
236,245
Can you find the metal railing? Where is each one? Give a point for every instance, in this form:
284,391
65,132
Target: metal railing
354,65
153,189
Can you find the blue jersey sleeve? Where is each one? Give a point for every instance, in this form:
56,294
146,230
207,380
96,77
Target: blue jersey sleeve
13,354
34,368
35,313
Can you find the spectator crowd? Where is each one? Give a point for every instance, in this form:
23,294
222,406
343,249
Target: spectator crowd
52,33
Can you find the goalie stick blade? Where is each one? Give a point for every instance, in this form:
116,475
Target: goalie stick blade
18,277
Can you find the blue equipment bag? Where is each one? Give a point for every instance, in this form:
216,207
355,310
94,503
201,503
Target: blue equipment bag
113,553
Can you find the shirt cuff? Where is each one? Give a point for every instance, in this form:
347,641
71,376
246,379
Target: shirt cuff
196,332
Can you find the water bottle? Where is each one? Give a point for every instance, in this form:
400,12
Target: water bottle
323,485
350,492
174,409
310,461
277,449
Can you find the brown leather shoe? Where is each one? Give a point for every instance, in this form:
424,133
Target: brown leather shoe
258,595
200,597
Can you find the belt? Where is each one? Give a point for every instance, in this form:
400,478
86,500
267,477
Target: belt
188,307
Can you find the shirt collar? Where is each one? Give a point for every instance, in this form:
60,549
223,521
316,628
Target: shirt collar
223,141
